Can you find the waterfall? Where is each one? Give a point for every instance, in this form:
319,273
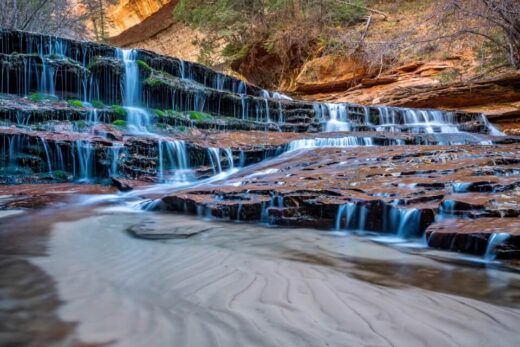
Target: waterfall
138,119
84,159
355,217
214,157
114,158
173,157
495,240
338,118
460,187
348,141
409,222
47,154
265,95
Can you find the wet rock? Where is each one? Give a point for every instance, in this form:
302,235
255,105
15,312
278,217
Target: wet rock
472,236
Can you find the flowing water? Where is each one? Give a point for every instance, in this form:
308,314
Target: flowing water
194,282
101,269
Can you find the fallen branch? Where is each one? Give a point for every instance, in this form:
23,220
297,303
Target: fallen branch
366,8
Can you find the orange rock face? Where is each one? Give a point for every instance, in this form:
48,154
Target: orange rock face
128,13
329,73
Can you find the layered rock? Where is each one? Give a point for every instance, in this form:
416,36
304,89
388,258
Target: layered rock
81,112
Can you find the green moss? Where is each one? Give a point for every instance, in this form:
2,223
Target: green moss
144,65
182,128
160,113
119,123
153,81
60,175
199,116
75,103
98,104
41,97
119,110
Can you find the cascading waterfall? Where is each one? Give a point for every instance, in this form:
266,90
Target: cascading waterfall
348,141
138,118
495,240
83,157
173,157
47,154
215,160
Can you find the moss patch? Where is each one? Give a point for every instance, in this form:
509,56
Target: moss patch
119,110
98,104
119,123
75,103
199,116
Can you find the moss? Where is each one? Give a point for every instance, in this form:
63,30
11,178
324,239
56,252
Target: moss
181,128
75,103
119,123
199,116
144,65
80,124
41,97
119,110
159,113
60,175
153,81
98,104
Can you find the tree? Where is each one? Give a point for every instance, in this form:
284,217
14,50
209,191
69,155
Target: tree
497,21
57,17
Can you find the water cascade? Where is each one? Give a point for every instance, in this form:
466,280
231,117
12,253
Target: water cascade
495,240
173,157
348,141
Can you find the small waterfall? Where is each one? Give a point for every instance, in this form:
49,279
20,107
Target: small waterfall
60,162
354,215
348,141
114,158
47,154
173,157
265,95
215,160
83,156
460,187
138,119
495,240
214,157
409,222
338,118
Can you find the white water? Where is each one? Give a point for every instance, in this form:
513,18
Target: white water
348,141
495,240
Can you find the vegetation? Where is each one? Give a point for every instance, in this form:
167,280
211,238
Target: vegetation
286,28
119,110
98,104
37,97
57,17
119,123
60,175
144,65
199,116
75,103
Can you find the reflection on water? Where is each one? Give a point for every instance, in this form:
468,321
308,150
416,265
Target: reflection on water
138,278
